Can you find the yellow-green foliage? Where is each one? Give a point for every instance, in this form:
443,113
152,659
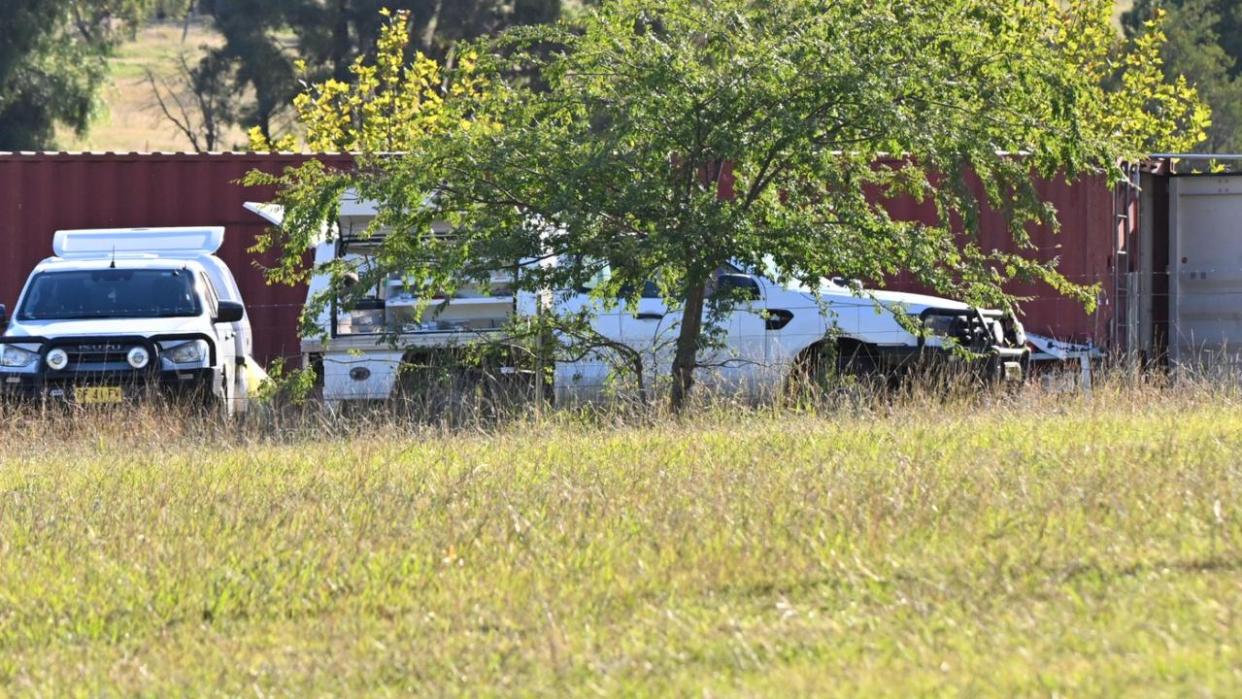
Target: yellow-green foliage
1144,109
388,104
1057,546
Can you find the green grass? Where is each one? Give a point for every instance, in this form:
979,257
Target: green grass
1052,546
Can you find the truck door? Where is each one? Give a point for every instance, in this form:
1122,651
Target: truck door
650,328
225,333
735,303
744,359
225,288
585,375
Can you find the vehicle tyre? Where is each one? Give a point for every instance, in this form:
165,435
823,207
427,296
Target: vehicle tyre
836,370
220,404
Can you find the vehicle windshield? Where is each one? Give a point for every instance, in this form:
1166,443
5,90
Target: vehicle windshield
111,293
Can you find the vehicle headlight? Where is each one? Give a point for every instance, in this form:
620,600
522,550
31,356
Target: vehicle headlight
12,356
138,357
998,332
58,359
187,353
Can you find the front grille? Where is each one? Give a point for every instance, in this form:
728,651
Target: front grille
88,355
99,357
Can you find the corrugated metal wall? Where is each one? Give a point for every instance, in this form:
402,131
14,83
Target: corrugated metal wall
1084,246
1091,224
42,193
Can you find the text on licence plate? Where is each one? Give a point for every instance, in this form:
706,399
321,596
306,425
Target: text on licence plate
88,395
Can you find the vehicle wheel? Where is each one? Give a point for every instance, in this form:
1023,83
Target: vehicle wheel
836,370
221,405
241,393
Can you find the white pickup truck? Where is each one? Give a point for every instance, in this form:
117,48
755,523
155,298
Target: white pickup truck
120,314
364,352
771,331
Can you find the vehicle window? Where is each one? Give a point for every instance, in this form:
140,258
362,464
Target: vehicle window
650,289
600,278
110,293
740,287
209,293
729,283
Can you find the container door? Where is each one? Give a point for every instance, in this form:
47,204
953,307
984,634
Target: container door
1205,260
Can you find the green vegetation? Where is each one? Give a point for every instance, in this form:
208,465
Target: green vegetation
1060,545
68,80
53,60
128,118
665,139
270,47
1204,43
124,116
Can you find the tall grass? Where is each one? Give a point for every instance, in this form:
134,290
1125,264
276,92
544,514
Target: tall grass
1041,543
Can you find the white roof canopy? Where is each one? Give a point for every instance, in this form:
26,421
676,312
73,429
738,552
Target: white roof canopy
159,242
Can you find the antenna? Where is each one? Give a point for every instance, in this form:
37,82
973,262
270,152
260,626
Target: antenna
113,264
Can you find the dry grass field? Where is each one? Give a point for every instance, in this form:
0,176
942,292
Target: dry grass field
1054,545
128,118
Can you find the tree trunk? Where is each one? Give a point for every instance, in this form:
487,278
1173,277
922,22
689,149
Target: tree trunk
687,357
637,363
340,42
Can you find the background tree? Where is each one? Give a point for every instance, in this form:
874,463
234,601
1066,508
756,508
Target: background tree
334,34
196,101
264,80
53,61
1204,44
266,39
647,105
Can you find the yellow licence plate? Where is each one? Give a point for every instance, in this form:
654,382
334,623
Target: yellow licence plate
91,395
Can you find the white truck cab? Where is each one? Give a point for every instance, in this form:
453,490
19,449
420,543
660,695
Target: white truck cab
118,314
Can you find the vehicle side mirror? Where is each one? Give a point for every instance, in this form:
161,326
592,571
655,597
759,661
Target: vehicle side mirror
4,319
230,312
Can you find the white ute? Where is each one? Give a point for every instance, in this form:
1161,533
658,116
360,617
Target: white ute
772,331
119,314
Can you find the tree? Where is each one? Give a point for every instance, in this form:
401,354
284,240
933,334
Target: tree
52,62
263,77
1204,44
812,107
196,101
334,34
267,39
